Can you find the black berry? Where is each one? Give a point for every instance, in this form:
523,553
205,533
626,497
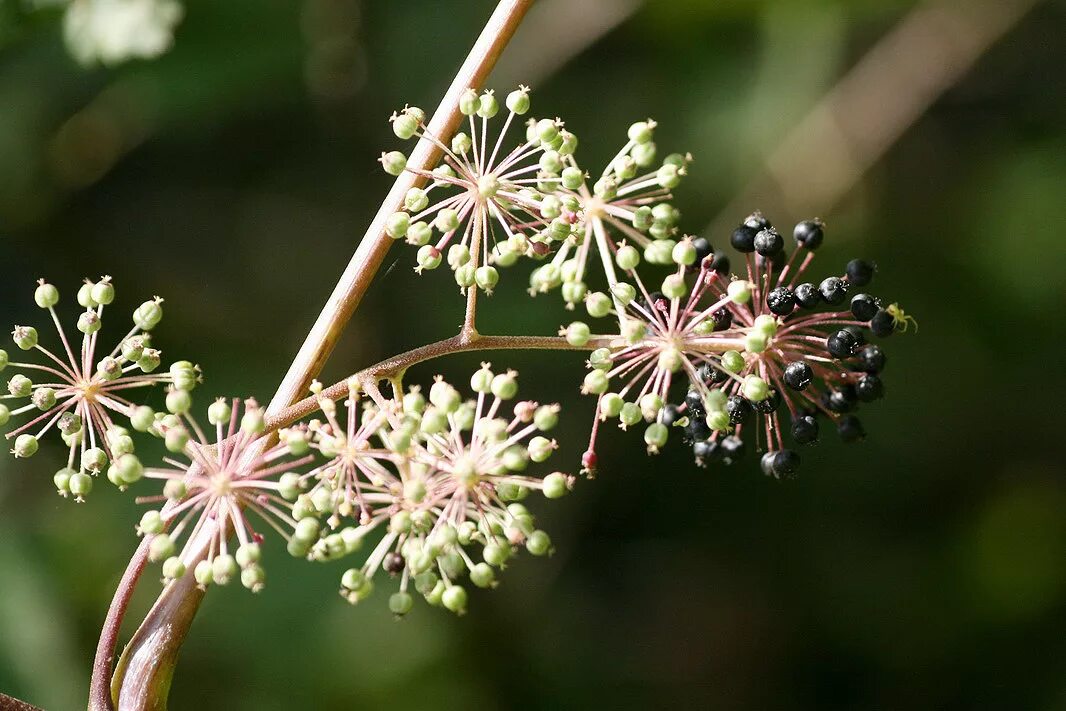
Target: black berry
809,234
864,306
842,344
732,448
711,375
805,429
768,242
850,429
723,318
707,451
833,290
720,264
869,388
798,375
769,404
872,359
860,272
786,463
669,415
781,301
842,400
807,295
743,239
739,409
766,463
393,563
883,324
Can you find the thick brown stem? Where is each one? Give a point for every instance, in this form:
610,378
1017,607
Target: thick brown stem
142,678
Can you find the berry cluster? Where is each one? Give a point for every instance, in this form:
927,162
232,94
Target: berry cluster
749,350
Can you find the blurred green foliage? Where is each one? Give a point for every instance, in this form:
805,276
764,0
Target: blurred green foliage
922,569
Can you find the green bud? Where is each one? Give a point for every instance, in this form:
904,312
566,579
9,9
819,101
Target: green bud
94,459
253,577
151,523
655,436
393,162
178,402
173,568
46,295
732,361
641,132
161,548
595,382
482,575
404,126
546,417
396,225
555,485
25,337
454,599
461,143
755,388
674,286
148,315
573,178
224,568
419,233
85,295
103,292
538,543
400,603
518,101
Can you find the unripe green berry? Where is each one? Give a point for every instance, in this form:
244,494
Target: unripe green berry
755,388
538,543
739,291
173,568
25,337
655,436
733,361
518,101
396,225
454,599
224,568
404,126
103,292
161,548
46,296
393,162
578,334
641,131
555,485
148,315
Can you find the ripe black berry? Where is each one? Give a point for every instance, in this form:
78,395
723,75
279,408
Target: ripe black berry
703,250
805,429
842,344
711,375
723,318
743,239
883,324
732,448
756,221
766,463
869,388
809,234
393,563
669,415
860,272
707,451
720,264
850,429
842,400
781,301
864,306
768,405
694,405
798,375
739,409
872,359
786,463
697,429
833,290
768,242
807,295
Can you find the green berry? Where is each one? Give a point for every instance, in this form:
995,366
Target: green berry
46,295
393,162
555,485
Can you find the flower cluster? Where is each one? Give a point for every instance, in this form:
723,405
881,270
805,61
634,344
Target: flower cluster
430,481
436,482
81,389
210,497
495,207
485,205
743,349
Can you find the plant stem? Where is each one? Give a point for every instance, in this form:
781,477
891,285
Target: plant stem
153,650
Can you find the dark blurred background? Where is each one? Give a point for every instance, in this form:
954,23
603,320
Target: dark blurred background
925,568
